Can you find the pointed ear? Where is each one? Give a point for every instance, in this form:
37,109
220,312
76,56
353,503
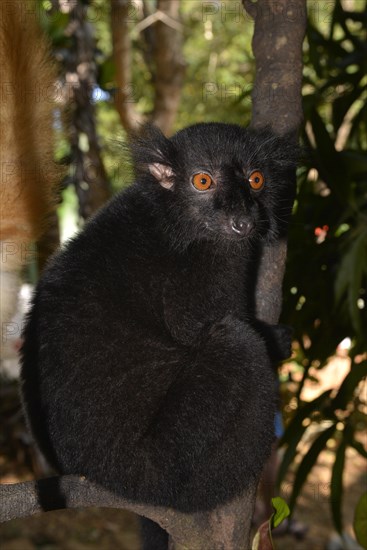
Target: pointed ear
162,173
152,152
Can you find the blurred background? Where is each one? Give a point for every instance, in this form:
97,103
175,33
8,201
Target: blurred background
177,63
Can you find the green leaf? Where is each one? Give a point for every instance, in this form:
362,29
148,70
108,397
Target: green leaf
360,16
355,163
349,279
358,120
349,384
329,161
281,511
314,36
360,521
359,448
337,486
107,74
334,20
295,431
308,462
55,27
342,104
289,454
303,412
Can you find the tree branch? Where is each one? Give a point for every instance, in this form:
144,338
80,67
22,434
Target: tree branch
163,29
169,63
121,46
277,102
207,531
277,45
64,492
149,39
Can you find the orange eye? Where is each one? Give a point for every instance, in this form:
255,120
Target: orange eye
256,180
202,181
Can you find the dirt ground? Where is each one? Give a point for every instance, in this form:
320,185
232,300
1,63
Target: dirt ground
108,529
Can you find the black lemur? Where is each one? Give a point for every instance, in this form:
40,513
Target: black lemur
144,368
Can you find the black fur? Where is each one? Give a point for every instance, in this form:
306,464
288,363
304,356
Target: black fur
143,367
154,537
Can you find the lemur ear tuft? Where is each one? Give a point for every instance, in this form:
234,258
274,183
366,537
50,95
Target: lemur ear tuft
162,173
154,154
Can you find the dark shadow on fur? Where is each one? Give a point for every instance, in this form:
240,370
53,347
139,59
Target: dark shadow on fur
50,495
153,536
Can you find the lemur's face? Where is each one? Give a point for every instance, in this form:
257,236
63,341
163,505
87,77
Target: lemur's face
226,183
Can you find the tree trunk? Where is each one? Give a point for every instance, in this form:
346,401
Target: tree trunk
277,102
163,34
90,178
169,65
130,118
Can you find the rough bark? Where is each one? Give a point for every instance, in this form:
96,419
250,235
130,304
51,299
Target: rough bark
277,102
277,46
190,532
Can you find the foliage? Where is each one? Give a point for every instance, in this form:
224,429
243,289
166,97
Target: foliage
281,511
220,64
219,71
325,285
360,521
263,539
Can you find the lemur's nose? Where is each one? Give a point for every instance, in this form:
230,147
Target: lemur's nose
242,226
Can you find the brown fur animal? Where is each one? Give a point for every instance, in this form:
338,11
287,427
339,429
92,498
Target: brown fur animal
28,172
